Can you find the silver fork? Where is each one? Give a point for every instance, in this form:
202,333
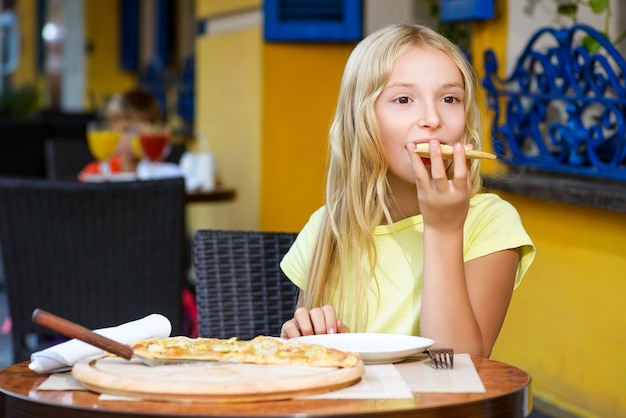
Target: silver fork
442,358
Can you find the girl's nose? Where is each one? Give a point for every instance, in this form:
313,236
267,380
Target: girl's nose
428,117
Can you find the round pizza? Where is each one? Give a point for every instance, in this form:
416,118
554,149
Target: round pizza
260,350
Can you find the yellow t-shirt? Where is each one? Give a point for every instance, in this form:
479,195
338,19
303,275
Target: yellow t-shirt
394,305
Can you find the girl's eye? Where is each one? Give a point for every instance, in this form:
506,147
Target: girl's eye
402,100
450,99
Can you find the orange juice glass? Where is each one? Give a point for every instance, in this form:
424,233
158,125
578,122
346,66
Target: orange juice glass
102,141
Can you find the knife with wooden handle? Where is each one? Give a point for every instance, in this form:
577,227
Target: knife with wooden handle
73,330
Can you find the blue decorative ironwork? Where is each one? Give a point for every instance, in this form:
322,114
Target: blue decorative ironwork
562,108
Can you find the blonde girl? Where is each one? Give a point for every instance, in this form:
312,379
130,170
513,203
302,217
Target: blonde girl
404,244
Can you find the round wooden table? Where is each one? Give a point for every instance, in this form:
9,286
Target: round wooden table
218,194
507,395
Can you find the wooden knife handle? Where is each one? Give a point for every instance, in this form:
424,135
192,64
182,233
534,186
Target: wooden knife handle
73,330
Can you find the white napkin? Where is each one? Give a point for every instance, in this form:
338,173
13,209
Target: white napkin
63,356
162,170
199,169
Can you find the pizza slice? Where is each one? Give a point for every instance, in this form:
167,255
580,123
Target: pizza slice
260,350
423,150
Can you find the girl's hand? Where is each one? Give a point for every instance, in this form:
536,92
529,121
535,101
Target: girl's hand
312,322
443,202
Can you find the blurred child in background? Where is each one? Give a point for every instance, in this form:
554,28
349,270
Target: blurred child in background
125,111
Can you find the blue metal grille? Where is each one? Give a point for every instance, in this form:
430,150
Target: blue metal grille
563,108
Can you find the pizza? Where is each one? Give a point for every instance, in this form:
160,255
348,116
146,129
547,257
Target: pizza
259,350
423,150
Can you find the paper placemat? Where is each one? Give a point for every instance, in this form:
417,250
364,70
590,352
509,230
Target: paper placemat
421,376
380,381
61,381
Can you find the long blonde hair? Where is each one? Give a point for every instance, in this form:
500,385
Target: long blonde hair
357,193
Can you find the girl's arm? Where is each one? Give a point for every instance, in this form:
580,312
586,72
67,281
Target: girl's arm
463,304
490,281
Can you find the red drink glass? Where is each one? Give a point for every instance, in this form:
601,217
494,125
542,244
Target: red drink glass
154,140
154,144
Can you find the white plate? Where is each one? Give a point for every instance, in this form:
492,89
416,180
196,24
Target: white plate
373,348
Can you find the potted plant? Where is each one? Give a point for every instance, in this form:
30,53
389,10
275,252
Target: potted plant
598,7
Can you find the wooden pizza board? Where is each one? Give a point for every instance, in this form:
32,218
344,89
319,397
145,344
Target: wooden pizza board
210,382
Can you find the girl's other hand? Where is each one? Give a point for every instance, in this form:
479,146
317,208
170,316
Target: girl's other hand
312,322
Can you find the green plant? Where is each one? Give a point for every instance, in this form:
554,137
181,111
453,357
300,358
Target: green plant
598,7
18,102
457,32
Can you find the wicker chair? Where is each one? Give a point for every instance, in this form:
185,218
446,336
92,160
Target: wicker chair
21,149
240,290
97,254
65,158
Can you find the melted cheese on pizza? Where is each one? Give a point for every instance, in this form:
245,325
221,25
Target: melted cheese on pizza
260,350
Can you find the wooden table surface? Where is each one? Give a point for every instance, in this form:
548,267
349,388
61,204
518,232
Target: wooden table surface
218,194
507,395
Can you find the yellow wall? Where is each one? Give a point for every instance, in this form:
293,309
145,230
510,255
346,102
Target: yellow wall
567,319
228,113
300,91
206,8
488,34
566,322
25,73
285,95
103,75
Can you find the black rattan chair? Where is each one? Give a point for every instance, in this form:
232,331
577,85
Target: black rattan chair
241,290
65,158
97,254
22,149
